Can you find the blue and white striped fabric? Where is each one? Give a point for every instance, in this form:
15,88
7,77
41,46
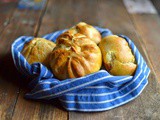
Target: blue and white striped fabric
99,91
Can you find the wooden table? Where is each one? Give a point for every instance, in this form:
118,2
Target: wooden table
143,29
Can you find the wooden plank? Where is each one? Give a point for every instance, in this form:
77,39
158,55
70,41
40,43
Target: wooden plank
89,12
61,16
38,110
34,110
8,92
113,15
22,23
110,17
58,16
131,32
7,10
57,13
148,26
139,6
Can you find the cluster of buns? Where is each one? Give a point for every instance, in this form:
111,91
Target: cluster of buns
80,51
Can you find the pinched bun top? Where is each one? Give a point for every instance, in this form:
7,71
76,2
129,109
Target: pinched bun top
117,56
87,30
75,56
38,50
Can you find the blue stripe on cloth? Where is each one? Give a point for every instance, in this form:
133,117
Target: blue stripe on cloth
95,92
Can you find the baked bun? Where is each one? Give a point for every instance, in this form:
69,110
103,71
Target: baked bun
38,50
87,30
75,55
117,56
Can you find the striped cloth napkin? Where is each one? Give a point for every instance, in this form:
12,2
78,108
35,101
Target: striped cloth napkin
99,91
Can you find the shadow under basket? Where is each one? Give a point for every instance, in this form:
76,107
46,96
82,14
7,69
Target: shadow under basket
99,91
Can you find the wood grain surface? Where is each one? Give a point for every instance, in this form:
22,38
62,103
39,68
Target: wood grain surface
20,23
143,29
6,14
148,27
32,110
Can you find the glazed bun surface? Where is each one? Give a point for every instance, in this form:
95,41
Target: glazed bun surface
38,50
87,30
75,55
117,56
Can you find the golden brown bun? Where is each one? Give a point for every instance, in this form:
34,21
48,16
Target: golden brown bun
87,30
38,50
75,55
117,56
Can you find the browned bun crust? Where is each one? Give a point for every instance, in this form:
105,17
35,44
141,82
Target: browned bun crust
88,31
75,55
38,50
117,56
